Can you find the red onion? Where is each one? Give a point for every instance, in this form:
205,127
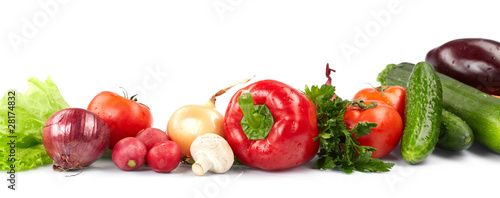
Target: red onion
75,138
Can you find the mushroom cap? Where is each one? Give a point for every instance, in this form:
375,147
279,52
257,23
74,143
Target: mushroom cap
216,149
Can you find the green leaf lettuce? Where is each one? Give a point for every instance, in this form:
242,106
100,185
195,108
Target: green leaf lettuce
32,109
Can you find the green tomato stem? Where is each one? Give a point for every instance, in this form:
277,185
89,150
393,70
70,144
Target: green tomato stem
362,106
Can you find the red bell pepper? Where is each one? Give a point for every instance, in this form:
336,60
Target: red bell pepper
271,125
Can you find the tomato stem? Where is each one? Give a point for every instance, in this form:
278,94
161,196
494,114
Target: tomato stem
362,106
382,89
134,98
125,94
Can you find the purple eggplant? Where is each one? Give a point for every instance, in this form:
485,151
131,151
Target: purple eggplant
473,61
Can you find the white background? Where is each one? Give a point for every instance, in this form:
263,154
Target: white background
175,53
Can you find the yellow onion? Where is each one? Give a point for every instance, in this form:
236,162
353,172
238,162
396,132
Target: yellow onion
191,121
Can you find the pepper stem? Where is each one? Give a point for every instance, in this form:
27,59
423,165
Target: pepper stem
246,105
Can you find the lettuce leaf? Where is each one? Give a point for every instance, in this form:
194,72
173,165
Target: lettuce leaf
32,109
381,76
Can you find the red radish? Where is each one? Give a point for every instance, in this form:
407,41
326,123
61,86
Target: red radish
129,153
164,157
151,136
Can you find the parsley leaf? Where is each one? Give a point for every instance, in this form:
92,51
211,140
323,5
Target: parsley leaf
339,149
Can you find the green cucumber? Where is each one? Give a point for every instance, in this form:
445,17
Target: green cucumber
455,134
422,114
479,110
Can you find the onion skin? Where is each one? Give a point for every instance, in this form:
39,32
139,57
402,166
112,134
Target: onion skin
75,138
191,121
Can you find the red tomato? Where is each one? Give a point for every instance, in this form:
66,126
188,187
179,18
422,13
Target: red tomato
385,137
124,117
394,96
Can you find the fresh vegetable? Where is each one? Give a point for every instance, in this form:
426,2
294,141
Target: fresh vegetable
473,61
151,136
129,154
386,135
164,157
479,110
396,74
124,117
339,148
393,96
191,121
271,125
423,114
75,138
455,134
31,109
211,152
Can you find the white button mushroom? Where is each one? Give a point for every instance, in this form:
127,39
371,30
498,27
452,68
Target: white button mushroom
211,152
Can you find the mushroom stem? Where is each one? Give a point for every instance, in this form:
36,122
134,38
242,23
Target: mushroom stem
202,165
211,153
